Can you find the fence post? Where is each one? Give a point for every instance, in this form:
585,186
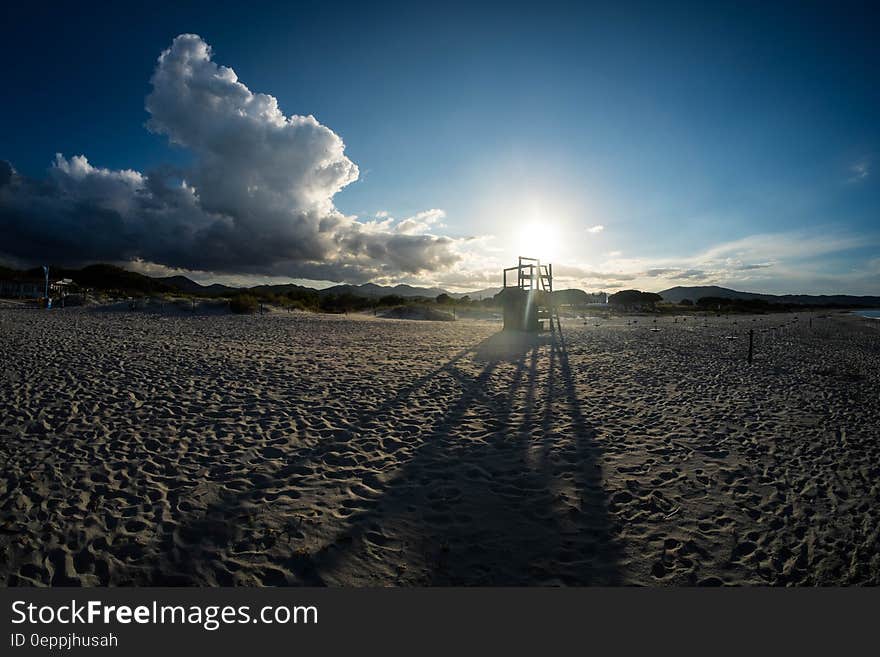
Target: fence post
751,344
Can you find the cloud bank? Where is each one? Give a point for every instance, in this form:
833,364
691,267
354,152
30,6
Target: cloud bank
789,262
258,198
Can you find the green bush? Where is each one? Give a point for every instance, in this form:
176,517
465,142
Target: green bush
244,303
391,300
634,297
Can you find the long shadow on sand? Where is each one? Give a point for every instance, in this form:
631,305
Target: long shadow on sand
503,487
506,488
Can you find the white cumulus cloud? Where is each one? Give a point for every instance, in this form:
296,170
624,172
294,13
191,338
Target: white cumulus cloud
258,197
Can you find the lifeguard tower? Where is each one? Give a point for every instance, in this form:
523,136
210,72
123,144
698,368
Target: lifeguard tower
527,297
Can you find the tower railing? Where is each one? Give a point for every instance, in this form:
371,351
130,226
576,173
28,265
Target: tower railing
532,277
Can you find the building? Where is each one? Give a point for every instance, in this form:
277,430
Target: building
22,287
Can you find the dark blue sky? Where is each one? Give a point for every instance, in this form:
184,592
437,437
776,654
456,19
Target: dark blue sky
685,131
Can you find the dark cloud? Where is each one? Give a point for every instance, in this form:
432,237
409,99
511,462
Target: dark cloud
652,273
760,265
691,274
675,273
258,198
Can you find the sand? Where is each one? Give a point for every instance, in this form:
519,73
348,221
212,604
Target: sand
140,449
422,313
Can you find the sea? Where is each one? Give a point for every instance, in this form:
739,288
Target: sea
872,314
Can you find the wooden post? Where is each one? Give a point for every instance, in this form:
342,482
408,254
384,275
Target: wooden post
751,344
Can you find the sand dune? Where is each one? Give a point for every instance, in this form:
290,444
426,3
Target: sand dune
144,448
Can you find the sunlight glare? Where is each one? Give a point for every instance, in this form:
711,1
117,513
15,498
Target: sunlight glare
539,240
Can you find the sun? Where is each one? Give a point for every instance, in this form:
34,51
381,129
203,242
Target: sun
539,240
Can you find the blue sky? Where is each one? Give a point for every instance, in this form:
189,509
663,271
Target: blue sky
634,144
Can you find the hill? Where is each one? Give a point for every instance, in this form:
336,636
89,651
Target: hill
678,294
476,295
110,277
189,286
371,290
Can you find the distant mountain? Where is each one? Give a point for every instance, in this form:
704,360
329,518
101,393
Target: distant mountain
189,286
678,294
282,289
111,277
371,290
181,284
476,295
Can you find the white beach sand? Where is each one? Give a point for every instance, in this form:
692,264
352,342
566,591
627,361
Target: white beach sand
297,449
